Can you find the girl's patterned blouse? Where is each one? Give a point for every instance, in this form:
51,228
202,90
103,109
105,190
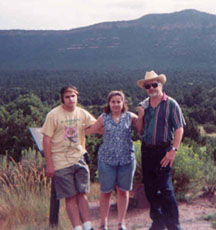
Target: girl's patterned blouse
117,147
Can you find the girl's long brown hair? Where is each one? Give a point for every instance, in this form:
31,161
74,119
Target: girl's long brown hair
112,94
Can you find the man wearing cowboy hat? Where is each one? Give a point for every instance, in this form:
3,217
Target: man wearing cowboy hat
160,122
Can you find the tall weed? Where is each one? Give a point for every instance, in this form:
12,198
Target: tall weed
25,194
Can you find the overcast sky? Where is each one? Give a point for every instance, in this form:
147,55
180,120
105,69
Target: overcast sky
69,14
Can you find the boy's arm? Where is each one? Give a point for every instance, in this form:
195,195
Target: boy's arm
48,155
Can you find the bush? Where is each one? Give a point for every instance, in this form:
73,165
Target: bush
209,128
138,173
209,178
187,172
92,146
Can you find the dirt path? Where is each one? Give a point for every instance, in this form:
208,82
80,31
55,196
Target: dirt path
190,215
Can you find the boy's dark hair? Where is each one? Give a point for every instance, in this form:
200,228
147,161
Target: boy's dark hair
68,88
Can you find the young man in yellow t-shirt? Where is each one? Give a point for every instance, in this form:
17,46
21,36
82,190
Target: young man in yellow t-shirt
64,146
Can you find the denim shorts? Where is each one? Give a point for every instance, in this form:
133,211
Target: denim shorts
72,180
120,175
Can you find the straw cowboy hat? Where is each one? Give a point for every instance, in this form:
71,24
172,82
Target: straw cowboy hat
151,76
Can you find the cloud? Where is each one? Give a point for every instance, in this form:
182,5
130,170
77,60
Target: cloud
134,5
67,14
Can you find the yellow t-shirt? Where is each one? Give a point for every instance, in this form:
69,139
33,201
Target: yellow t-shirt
66,130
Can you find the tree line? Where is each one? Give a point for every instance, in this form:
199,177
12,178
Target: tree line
27,96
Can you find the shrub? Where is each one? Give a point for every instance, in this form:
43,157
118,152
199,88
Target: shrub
194,170
92,147
187,172
209,177
209,128
138,173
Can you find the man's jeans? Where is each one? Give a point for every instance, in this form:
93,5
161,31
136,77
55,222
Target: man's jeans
159,189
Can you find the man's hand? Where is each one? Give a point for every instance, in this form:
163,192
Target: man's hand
168,158
141,112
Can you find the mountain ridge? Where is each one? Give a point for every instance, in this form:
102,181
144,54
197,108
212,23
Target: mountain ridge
179,40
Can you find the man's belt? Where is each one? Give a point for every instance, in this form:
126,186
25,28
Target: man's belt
158,146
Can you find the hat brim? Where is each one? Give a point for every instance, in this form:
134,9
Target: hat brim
161,78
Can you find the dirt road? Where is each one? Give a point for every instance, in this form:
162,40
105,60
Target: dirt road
138,219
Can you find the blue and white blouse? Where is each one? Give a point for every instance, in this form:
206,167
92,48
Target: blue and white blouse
117,147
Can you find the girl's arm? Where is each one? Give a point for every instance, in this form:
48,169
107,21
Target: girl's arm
139,124
97,127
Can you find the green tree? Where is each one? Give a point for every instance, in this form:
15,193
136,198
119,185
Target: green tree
16,117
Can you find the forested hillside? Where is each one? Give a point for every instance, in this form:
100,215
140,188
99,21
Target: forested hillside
26,97
182,40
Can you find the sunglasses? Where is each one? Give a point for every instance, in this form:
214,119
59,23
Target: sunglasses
154,85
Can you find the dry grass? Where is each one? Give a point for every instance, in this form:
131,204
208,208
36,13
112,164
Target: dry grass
25,197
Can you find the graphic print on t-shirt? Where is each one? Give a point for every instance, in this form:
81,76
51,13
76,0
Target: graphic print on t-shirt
71,133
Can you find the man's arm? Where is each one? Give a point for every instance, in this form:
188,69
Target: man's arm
170,156
133,119
48,155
